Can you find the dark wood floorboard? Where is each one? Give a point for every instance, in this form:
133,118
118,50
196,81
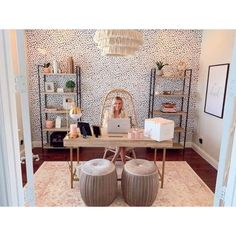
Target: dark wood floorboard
203,169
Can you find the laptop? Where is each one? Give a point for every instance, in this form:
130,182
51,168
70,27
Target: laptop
118,126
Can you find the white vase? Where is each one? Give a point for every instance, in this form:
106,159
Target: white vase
159,72
55,67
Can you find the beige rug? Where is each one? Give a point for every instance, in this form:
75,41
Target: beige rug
182,187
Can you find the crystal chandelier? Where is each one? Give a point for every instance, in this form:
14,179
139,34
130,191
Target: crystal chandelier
118,42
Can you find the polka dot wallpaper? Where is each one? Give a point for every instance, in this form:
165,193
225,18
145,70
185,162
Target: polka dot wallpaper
100,74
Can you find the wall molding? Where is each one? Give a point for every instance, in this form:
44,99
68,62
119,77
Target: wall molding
205,155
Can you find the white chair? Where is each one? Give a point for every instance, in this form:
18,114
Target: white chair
128,107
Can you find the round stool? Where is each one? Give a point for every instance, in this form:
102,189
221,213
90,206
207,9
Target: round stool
98,182
140,182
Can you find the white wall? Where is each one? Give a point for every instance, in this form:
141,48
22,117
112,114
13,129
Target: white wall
217,48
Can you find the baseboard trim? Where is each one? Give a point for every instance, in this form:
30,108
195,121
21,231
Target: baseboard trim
188,144
205,155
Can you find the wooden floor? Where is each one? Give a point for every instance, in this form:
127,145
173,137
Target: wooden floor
204,170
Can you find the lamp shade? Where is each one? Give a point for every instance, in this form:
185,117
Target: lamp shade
75,113
118,42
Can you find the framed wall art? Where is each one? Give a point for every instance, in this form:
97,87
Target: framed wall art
216,89
49,87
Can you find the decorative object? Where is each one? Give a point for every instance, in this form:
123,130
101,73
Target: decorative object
49,87
136,133
67,103
58,122
45,64
56,138
166,92
70,65
73,128
60,90
75,114
181,67
139,182
168,107
55,67
160,65
159,129
98,182
118,42
46,68
70,85
216,89
49,124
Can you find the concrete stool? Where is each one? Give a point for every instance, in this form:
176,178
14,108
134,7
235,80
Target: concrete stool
140,182
98,182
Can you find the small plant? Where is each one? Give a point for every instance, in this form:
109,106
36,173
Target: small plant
70,84
160,65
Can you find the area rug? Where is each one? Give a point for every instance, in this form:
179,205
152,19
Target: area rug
182,187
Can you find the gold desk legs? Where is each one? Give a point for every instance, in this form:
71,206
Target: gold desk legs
163,165
72,171
71,168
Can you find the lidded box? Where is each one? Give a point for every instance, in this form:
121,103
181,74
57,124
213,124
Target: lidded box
159,129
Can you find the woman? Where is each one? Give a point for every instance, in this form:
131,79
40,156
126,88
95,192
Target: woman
116,111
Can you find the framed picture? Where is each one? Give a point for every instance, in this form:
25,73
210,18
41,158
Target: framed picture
216,89
49,87
67,103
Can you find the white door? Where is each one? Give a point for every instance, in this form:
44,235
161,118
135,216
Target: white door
12,65
225,194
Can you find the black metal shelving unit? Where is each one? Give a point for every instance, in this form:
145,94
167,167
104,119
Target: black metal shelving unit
43,100
183,109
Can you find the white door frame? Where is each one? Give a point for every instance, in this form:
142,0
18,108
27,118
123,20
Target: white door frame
11,179
225,193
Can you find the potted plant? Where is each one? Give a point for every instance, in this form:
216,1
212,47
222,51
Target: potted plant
160,65
46,68
70,85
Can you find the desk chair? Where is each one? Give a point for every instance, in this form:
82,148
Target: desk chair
129,108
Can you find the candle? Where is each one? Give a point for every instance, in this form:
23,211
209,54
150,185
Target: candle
73,128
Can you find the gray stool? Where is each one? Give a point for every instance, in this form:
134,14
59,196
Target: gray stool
140,182
98,182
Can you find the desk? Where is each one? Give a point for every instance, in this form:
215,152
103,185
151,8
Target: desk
106,141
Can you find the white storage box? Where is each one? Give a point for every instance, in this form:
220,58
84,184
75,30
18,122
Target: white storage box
159,129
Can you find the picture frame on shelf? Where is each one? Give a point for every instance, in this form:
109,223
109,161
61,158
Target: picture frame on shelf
49,87
67,103
216,89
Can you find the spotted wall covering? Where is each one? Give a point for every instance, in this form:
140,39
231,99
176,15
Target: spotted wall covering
100,74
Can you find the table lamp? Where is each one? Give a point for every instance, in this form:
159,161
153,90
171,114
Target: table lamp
75,113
